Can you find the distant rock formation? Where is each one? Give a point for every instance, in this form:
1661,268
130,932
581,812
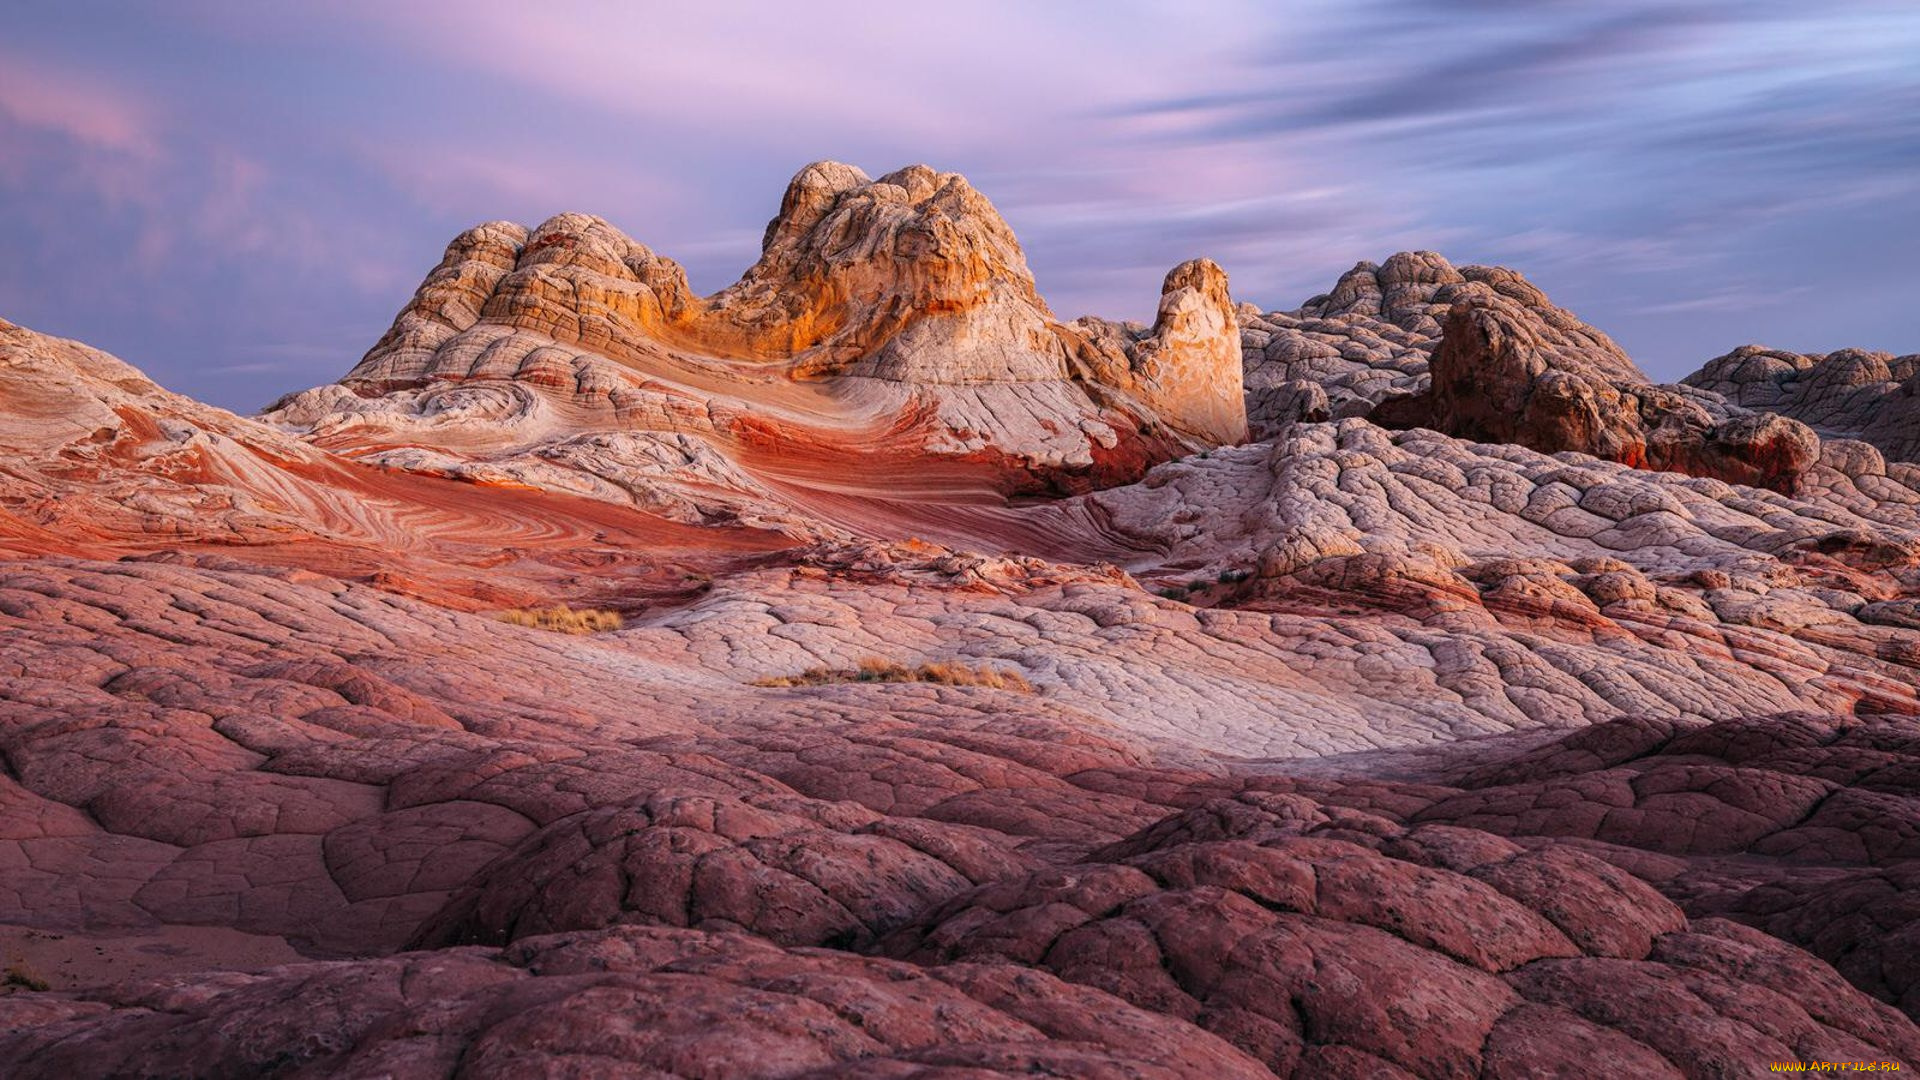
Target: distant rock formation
1512,368
1849,394
1345,351
1481,353
888,324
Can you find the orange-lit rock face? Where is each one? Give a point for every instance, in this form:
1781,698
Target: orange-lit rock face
894,318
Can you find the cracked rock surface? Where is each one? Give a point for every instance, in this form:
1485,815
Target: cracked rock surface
982,702
1854,394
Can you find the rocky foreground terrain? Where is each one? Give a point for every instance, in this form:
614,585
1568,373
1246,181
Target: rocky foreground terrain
1402,685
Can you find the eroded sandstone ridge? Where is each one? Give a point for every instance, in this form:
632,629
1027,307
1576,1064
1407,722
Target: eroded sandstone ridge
889,326
1849,394
1566,725
1480,353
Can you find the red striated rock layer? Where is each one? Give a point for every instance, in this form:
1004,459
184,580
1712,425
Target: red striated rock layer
889,325
100,461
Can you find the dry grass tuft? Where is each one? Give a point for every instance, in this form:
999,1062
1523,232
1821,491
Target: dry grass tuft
874,670
562,619
19,976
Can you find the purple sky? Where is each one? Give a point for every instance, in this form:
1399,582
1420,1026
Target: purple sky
237,197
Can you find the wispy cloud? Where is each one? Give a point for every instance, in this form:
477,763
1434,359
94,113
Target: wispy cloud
71,103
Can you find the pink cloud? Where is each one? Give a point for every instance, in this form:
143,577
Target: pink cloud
76,106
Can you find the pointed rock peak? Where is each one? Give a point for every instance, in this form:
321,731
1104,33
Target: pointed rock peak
1406,290
1189,364
921,182
834,218
1414,290
849,255
857,204
1200,275
574,237
496,242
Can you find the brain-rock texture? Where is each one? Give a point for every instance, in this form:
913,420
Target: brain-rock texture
890,325
976,710
655,1004
1508,370
1372,337
360,773
1849,394
1481,353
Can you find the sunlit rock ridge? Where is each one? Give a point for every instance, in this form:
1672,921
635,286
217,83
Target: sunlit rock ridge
892,320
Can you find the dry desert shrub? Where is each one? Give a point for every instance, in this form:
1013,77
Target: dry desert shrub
21,976
562,619
874,670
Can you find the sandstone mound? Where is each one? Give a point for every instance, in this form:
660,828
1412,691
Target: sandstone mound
101,461
1481,353
1508,369
1371,338
82,425
197,743
889,324
631,1003
1850,394
1317,938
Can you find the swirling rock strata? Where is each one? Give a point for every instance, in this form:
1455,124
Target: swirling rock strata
889,324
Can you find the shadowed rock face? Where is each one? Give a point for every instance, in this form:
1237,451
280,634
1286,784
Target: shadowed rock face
1479,352
1873,397
1503,373
1370,339
1576,730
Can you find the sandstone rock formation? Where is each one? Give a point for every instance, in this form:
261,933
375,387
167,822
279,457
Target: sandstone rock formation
1849,394
1344,352
100,461
460,779
1575,728
1479,352
1503,374
1371,338
890,325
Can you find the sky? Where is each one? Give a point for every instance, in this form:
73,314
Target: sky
237,197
